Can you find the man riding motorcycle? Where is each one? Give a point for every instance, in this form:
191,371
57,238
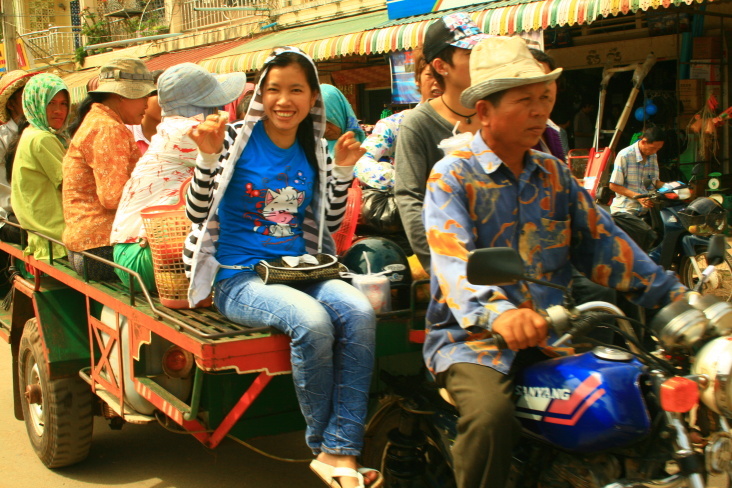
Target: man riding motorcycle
498,192
633,165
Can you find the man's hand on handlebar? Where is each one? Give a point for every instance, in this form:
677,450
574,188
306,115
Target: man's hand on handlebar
646,202
521,328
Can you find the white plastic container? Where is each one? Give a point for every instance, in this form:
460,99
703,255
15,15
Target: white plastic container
377,289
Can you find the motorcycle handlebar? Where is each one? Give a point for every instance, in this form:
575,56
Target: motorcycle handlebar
578,326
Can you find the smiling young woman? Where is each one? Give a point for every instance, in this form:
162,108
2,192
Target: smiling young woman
270,195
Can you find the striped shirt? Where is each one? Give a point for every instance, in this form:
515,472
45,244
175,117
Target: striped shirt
630,170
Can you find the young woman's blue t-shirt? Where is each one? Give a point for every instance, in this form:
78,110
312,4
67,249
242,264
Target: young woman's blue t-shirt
262,210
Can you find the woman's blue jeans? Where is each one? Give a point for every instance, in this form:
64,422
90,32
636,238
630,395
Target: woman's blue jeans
333,329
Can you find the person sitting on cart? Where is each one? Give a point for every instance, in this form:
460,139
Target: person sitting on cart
100,159
36,171
500,192
266,197
375,169
551,139
447,48
11,114
187,93
634,166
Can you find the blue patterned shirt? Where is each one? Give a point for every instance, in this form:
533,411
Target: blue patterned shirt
629,171
474,201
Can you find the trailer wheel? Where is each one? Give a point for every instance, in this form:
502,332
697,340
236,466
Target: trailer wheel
436,471
58,413
719,284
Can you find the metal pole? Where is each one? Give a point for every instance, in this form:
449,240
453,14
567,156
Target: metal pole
9,35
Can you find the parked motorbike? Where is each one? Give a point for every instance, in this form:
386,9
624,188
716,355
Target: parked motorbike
610,417
684,230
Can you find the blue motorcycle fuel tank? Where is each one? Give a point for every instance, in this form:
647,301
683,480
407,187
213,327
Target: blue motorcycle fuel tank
584,402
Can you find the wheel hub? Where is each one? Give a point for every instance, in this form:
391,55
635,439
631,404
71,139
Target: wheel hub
34,394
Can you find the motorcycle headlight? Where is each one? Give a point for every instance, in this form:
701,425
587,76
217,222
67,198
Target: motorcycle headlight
717,311
714,361
679,325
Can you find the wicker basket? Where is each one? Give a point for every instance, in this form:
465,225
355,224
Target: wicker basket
167,227
704,225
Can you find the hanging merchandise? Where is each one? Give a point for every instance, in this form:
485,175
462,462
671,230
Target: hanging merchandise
704,125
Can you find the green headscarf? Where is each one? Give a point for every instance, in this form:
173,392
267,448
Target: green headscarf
338,111
38,93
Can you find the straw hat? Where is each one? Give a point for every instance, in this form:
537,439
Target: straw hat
9,84
502,63
127,77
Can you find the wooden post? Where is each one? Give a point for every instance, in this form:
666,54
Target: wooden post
9,35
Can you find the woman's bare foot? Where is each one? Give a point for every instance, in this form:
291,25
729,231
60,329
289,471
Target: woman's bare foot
346,462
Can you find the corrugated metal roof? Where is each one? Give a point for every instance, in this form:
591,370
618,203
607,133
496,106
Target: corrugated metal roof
192,55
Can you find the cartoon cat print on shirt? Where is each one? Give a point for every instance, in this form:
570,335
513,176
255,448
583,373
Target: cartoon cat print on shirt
280,207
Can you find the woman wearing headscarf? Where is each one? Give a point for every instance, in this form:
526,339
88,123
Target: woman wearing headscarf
100,160
36,176
339,117
187,94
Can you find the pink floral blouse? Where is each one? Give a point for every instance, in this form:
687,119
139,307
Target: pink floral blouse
96,167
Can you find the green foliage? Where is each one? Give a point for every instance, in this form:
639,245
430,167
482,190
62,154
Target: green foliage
80,55
96,30
149,25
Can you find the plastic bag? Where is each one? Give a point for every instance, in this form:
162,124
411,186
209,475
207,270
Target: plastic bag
379,211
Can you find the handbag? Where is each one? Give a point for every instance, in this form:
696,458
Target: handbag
300,270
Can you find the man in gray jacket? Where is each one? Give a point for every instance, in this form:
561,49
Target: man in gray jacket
447,47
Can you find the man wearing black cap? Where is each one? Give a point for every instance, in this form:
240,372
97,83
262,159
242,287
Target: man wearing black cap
447,47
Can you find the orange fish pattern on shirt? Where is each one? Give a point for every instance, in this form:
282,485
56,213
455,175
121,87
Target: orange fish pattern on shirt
96,167
474,201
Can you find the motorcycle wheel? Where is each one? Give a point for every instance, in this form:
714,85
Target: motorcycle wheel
437,472
719,284
58,413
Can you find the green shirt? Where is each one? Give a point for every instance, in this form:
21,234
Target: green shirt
36,189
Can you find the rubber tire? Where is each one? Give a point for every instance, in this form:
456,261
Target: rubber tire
376,439
66,407
686,273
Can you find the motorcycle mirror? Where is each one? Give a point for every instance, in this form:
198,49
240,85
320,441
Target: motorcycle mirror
495,266
499,266
647,182
717,248
697,170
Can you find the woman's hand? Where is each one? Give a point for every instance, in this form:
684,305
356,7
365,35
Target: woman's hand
209,134
348,150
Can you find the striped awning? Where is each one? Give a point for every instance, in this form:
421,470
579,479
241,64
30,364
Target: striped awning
365,34
508,17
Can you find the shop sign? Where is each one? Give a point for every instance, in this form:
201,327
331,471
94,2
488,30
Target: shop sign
398,9
403,88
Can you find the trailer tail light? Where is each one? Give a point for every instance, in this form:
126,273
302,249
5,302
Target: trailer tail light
177,363
679,394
